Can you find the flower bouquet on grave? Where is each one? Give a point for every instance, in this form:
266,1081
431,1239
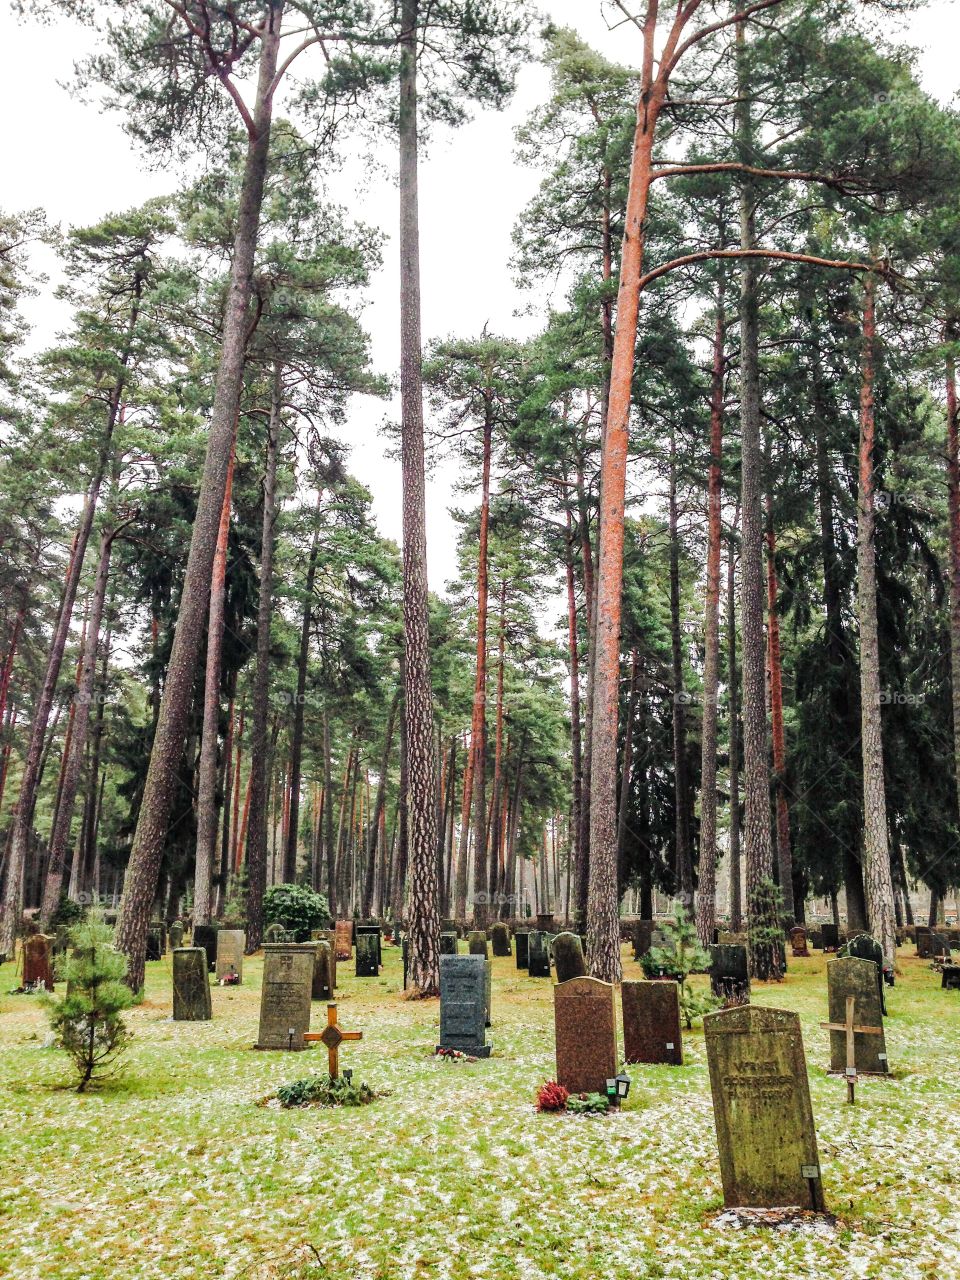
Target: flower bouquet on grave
454,1055
231,979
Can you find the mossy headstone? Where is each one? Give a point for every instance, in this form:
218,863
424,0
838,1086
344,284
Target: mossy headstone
191,985
231,944
568,957
288,970
850,976
538,954
761,1104
477,943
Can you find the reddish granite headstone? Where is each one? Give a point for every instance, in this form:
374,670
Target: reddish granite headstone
651,1022
798,940
586,1034
344,936
36,961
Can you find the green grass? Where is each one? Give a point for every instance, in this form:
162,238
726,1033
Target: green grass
173,1171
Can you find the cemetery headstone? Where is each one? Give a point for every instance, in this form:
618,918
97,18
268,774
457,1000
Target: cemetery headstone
477,943
367,958
816,938
545,921
500,939
285,998
344,936
831,937
642,934
328,936
924,942
275,933
864,947
231,944
940,948
850,976
463,1004
586,1034
37,966
568,957
323,980
448,944
730,974
191,985
176,935
798,940
488,993
372,930
205,935
950,981
521,939
538,954
761,1103
651,1022
154,944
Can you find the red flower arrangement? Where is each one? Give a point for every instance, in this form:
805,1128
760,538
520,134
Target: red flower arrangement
552,1097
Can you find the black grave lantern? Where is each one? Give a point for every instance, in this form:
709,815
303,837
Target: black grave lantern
618,1087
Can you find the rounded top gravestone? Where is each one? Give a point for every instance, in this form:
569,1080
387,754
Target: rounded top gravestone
568,957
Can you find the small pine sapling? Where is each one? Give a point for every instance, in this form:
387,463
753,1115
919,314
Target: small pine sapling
86,1021
682,956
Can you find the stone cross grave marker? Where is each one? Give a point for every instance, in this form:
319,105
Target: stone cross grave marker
568,957
850,976
850,1031
191,985
761,1104
332,1036
463,986
231,944
586,1034
285,999
651,1022
538,954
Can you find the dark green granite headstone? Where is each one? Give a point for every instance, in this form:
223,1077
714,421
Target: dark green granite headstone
730,974
477,943
538,954
448,944
205,935
367,949
520,939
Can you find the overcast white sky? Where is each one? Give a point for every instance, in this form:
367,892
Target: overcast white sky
77,163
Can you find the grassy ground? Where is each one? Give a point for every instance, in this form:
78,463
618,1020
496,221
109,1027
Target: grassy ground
173,1171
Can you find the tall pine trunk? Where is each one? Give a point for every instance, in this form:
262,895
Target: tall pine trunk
259,747
682,842
736,883
299,713
707,887
207,785
482,872
877,880
762,917
140,882
423,921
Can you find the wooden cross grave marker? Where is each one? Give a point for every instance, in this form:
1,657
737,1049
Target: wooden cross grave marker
848,1026
333,1037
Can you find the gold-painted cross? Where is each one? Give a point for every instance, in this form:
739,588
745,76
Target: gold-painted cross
848,1026
333,1037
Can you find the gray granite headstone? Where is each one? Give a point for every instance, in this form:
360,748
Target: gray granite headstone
231,944
285,999
761,1104
191,985
463,987
448,944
